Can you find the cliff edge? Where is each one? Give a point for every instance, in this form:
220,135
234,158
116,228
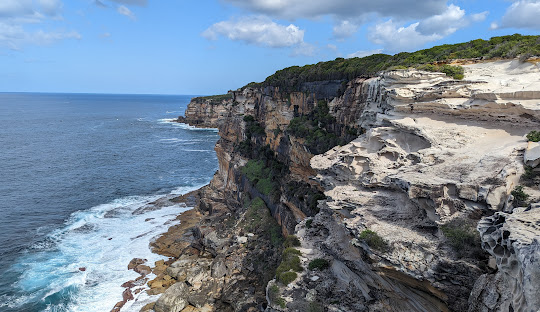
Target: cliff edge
404,191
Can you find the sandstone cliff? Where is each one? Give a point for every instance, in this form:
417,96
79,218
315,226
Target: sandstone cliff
385,220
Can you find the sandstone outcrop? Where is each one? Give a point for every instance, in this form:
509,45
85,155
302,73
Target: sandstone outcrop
424,159
514,241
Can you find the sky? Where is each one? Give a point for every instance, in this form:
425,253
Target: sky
212,46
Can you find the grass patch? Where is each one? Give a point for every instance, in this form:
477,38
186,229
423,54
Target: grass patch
520,197
533,136
318,264
373,240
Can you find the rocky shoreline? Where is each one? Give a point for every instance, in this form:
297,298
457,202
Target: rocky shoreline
415,206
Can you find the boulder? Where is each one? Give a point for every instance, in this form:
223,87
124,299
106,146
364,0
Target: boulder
532,155
174,299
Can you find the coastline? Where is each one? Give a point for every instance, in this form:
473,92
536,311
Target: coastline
170,244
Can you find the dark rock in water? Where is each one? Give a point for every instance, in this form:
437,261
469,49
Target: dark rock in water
143,269
128,284
135,262
127,295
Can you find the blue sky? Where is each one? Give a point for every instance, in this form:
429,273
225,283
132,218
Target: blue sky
211,46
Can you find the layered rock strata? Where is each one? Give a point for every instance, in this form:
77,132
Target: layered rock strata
397,222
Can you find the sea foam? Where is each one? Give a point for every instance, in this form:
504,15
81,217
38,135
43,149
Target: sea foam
102,240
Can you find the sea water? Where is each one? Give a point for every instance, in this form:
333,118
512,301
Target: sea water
78,177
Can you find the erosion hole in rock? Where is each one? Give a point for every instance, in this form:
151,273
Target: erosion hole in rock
409,142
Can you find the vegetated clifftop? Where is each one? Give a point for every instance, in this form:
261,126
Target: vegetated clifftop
379,191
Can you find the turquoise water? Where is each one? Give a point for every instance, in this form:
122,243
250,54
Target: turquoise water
78,175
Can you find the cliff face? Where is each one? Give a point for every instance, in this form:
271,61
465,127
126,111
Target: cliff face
393,211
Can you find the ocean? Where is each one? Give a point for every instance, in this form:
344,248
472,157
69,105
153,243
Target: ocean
74,171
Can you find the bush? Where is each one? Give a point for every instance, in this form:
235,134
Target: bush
520,197
373,240
291,241
533,136
308,223
287,277
464,238
318,264
290,263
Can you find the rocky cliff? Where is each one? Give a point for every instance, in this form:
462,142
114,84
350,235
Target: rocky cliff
398,193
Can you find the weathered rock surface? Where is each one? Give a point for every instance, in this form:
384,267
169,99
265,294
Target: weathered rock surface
438,156
514,240
173,300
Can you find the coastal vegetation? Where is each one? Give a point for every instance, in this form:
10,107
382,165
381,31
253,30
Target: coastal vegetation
464,238
319,129
291,79
533,136
318,264
373,240
520,197
290,264
213,99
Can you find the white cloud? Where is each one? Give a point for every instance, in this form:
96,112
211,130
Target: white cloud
126,12
292,9
395,38
304,49
15,14
50,7
521,14
14,36
257,30
344,29
364,53
132,2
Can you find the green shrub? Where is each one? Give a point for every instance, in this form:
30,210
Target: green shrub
533,136
456,72
520,197
281,302
373,240
291,241
318,264
260,175
290,263
308,223
464,238
287,277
